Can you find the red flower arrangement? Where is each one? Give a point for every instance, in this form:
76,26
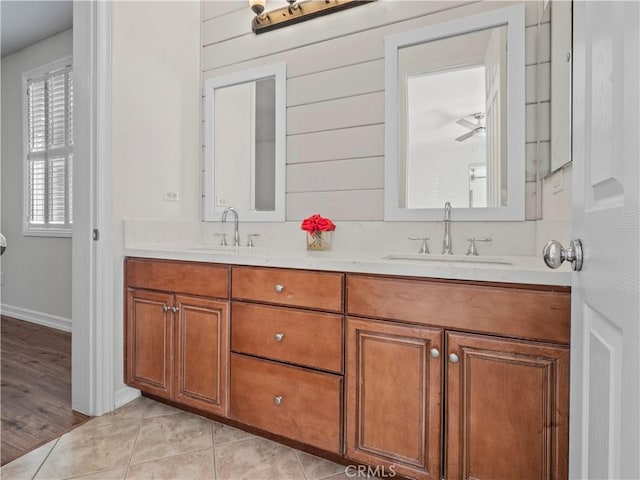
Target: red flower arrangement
317,223
316,226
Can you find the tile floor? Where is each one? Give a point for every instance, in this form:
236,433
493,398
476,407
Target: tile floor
146,439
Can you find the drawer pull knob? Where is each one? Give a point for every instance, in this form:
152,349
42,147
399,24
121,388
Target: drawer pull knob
279,288
453,358
277,400
435,353
279,337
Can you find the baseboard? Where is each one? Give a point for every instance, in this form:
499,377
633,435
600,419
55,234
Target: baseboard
124,395
52,321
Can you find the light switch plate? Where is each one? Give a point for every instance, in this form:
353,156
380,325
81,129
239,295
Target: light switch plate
557,182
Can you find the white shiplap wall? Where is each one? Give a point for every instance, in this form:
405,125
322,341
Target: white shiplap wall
335,94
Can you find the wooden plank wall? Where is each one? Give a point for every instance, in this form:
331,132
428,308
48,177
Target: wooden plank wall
335,94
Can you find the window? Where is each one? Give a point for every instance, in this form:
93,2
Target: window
49,150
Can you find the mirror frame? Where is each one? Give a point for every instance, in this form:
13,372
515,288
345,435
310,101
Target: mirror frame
514,18
561,62
211,213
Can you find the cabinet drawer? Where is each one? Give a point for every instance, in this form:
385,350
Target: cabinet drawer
296,336
193,278
512,311
300,288
309,402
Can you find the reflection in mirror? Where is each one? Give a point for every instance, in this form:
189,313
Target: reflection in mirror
244,145
455,119
454,111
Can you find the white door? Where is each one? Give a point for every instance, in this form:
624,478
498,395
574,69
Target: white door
605,325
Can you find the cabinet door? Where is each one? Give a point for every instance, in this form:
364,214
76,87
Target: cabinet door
507,409
393,415
149,360
202,351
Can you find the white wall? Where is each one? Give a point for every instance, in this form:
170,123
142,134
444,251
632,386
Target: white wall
156,128
37,269
335,93
556,208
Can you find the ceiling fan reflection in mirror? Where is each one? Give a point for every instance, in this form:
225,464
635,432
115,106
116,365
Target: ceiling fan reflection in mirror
477,129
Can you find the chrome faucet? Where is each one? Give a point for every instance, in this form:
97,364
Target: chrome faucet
446,241
236,233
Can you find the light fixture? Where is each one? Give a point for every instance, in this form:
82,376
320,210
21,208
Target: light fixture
295,12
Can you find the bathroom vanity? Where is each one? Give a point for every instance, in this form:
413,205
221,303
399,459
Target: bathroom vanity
423,375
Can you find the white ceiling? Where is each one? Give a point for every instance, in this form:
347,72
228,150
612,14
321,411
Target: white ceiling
25,22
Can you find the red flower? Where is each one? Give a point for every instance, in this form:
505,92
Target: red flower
316,223
325,225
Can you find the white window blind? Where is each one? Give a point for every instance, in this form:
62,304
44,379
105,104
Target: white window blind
49,159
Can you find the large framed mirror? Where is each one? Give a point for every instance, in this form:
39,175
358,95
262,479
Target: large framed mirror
455,119
245,144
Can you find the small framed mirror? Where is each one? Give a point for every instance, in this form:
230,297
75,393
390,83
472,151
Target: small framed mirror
455,122
245,144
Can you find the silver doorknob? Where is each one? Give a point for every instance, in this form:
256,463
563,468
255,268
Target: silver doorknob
165,309
277,400
435,353
453,358
554,254
279,337
279,288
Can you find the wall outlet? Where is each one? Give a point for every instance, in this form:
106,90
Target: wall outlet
171,196
557,182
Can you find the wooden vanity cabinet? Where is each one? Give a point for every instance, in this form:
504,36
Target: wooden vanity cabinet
177,342
421,378
505,359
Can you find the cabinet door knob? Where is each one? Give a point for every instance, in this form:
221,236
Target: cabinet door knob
435,353
165,309
279,337
277,400
175,309
279,288
453,358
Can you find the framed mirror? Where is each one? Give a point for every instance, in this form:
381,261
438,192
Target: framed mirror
245,144
455,119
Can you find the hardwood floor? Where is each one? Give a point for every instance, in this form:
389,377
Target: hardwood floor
36,386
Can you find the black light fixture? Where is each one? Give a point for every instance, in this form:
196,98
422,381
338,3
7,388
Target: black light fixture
295,12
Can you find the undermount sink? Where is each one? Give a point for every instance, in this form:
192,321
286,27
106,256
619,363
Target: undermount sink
461,259
220,250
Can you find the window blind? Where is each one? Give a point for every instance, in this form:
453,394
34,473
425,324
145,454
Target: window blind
50,150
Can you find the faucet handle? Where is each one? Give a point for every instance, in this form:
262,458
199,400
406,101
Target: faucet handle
424,248
473,250
250,237
223,239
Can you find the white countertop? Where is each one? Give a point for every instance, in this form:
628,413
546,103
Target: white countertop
525,270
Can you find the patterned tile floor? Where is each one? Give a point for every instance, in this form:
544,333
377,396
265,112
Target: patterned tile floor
146,439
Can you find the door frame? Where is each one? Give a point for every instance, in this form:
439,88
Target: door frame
92,365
